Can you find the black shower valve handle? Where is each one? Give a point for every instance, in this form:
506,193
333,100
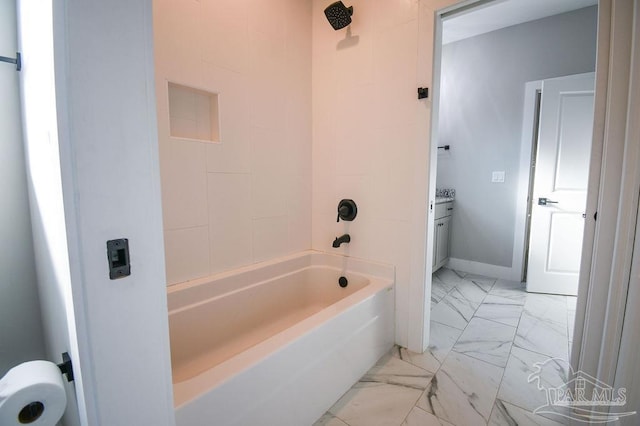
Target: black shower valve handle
342,212
347,210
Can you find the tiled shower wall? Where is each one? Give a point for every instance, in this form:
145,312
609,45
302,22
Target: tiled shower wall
370,136
247,198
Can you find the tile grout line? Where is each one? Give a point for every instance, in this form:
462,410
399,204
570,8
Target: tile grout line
495,398
504,371
510,351
413,365
454,344
493,404
415,404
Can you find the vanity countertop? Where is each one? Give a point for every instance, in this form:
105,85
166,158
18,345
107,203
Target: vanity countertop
440,200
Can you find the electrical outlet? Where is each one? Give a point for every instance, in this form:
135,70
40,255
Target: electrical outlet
497,177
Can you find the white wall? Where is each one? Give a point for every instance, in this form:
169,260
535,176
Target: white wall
94,176
482,96
111,177
20,320
45,193
247,198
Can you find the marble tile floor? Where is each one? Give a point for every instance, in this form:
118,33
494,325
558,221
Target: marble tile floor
493,350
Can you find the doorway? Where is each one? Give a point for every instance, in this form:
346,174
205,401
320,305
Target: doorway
488,163
481,311
480,119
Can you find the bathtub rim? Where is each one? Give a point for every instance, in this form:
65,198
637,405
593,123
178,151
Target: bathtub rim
189,292
247,287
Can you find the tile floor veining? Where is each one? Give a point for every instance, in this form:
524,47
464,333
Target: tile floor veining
486,336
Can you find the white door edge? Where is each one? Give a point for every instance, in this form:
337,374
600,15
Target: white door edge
524,177
614,169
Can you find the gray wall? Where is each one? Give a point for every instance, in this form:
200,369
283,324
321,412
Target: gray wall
482,97
20,325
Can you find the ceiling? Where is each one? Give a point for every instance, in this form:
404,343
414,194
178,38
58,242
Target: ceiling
498,14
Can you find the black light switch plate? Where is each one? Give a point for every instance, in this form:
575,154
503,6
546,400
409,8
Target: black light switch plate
118,257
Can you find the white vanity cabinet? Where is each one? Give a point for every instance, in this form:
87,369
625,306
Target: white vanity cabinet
441,230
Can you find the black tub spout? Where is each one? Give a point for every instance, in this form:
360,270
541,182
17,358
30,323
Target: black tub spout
343,239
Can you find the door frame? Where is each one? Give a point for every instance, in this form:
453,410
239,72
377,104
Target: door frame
627,369
604,282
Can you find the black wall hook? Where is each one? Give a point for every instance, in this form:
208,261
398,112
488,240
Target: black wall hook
347,210
66,367
17,61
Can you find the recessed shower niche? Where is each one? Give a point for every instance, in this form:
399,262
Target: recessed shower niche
193,113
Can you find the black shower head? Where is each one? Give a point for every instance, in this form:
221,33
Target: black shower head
339,15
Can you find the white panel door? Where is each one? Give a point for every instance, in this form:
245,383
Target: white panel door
560,184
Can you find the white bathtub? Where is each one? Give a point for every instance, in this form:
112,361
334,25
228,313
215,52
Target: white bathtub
279,342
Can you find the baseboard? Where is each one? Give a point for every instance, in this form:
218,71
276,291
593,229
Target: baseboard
485,269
